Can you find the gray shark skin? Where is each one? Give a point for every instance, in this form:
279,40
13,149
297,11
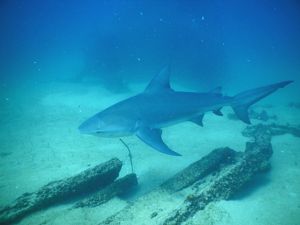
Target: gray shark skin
159,106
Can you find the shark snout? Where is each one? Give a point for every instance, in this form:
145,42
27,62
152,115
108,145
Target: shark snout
88,127
83,129
93,125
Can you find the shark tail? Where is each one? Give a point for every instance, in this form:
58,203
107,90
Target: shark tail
243,100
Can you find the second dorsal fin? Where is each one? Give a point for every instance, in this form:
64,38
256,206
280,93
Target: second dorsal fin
216,90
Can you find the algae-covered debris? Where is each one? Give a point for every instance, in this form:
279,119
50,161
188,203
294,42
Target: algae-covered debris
217,176
271,130
199,169
118,187
58,191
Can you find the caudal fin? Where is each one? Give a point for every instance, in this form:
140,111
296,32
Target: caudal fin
242,101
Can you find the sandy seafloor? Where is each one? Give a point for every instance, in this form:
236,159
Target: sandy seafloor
40,143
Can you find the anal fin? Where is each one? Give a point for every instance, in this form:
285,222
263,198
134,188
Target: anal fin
242,113
198,120
218,112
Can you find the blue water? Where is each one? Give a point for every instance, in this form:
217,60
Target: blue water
118,42
61,61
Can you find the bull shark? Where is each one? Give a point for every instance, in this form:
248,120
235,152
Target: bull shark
159,106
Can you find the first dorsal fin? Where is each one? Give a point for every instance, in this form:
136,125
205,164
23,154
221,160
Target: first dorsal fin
161,82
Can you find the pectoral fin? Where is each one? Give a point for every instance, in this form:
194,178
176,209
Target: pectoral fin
153,138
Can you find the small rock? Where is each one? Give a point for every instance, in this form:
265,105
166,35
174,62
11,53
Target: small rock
154,214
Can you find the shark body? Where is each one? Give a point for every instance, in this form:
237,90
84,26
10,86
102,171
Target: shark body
159,106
